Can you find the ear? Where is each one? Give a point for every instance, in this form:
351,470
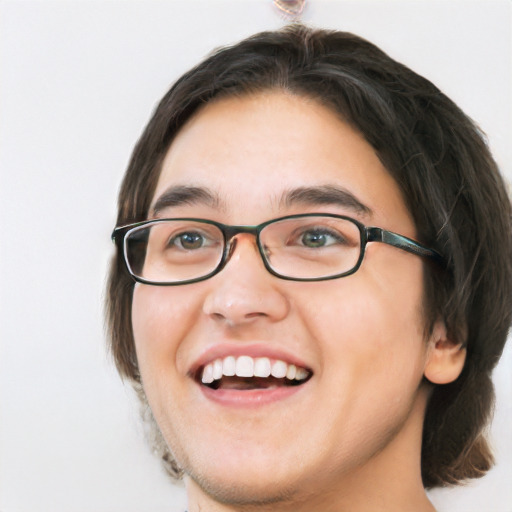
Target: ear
445,358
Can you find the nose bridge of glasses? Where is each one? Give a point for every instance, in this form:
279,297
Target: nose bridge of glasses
231,234
231,231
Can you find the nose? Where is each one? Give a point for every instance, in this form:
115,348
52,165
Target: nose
244,291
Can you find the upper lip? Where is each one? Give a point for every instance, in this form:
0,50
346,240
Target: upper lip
221,351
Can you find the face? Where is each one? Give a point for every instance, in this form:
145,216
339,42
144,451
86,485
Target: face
360,339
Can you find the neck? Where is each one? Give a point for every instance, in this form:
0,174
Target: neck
341,501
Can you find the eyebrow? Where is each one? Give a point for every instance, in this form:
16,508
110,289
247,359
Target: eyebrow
324,195
180,195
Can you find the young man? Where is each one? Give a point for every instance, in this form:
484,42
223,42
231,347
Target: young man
313,279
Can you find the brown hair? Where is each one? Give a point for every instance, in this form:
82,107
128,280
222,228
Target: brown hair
449,181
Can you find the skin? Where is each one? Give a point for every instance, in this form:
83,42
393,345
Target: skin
349,439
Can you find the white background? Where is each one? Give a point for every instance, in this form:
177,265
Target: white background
78,82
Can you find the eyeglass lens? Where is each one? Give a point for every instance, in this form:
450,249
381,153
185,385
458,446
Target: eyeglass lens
171,251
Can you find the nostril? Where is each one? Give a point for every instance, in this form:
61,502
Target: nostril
256,314
233,318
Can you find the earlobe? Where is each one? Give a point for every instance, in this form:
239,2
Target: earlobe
445,359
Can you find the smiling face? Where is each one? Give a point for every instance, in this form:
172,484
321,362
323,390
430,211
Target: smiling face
356,345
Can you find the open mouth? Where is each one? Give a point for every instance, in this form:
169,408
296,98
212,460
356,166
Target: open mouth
245,373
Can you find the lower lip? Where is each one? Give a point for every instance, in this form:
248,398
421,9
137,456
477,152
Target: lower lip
250,398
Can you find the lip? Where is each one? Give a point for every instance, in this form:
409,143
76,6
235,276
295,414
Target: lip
250,398
254,350
247,398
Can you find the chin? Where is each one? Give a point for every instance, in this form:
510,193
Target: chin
244,477
243,492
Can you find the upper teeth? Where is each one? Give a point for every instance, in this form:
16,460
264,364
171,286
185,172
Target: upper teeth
246,366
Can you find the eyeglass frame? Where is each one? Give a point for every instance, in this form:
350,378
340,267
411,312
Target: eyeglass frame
368,234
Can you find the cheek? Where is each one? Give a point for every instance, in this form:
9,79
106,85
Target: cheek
372,357
371,323
160,319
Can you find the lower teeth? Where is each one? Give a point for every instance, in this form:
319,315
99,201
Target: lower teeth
248,384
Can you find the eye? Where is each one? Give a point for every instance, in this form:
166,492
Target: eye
321,237
190,240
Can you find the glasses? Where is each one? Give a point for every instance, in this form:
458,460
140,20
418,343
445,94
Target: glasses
307,247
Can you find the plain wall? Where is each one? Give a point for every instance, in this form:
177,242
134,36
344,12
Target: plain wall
78,82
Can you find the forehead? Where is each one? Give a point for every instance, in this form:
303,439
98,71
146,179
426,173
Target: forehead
250,151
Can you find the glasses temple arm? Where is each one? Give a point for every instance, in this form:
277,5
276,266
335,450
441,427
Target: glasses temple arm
402,242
